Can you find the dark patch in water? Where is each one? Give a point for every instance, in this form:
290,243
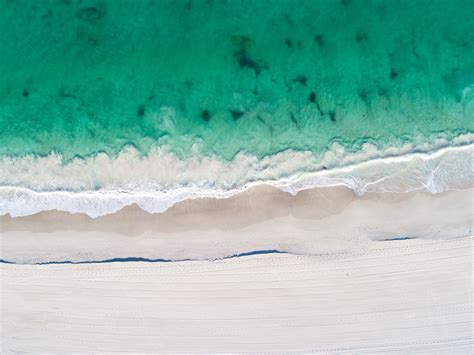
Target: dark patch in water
63,93
361,37
243,58
259,118
205,115
92,14
393,73
26,93
319,40
293,119
313,98
189,84
364,96
288,43
245,61
332,115
236,114
141,111
188,6
303,80
382,91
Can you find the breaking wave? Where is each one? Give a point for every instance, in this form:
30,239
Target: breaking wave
102,185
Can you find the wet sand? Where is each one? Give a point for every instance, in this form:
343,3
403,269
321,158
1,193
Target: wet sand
317,221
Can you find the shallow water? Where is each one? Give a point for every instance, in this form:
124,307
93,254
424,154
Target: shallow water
221,77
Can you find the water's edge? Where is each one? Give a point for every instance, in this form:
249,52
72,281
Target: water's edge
156,183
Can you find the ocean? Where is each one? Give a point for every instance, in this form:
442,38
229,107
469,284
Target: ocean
104,103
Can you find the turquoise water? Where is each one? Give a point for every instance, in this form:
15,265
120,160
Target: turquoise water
82,77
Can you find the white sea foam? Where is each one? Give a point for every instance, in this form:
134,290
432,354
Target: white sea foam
101,185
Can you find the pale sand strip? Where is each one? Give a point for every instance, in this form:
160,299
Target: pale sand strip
400,296
323,220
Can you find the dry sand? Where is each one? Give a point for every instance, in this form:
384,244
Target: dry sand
404,297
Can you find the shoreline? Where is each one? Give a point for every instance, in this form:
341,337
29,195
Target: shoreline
315,221
438,171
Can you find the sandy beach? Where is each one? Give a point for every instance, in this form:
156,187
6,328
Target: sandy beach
317,221
381,273
405,297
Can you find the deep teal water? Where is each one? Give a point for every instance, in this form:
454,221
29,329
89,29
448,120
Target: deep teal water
80,77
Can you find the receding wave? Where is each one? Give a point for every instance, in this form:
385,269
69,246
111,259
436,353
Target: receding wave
101,185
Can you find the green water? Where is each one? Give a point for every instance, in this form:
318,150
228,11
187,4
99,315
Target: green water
80,77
